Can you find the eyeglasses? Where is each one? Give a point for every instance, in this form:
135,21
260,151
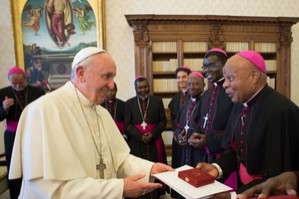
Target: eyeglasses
211,66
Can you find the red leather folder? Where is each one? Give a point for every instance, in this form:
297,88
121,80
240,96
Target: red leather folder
196,177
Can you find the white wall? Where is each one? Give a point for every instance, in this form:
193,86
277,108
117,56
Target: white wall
7,55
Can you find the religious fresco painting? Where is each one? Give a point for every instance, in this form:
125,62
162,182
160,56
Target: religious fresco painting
53,31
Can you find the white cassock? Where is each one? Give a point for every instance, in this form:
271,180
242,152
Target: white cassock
55,151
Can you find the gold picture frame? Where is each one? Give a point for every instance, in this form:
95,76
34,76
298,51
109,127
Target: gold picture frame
27,34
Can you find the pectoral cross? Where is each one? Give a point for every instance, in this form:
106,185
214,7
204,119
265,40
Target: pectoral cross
186,128
143,124
101,167
206,119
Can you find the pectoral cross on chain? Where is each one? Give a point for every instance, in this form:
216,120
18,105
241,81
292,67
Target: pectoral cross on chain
186,128
143,124
101,167
206,119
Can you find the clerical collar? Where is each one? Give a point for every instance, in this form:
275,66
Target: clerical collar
193,99
248,101
219,80
143,97
110,101
184,91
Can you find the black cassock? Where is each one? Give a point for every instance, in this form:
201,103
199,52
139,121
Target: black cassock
116,108
21,99
155,116
190,155
211,116
174,106
263,135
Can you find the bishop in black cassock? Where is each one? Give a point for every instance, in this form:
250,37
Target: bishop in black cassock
116,108
185,125
262,135
22,94
145,120
214,107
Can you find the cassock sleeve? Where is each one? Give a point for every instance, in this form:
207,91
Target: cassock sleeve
180,123
130,129
173,106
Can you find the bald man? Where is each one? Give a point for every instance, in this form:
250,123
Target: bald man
262,135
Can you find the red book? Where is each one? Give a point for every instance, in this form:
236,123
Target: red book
196,177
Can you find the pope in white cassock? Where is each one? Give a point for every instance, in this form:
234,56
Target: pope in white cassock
68,146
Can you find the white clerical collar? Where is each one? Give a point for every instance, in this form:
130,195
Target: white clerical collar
193,99
219,80
143,97
253,96
184,90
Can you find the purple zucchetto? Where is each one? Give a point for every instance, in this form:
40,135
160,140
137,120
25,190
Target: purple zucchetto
219,50
255,58
15,70
198,74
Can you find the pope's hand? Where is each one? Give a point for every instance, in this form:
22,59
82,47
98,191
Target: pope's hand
134,188
160,167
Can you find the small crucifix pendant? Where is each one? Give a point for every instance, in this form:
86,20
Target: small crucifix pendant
206,119
143,124
186,128
101,167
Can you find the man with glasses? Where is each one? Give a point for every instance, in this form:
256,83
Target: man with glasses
213,111
215,106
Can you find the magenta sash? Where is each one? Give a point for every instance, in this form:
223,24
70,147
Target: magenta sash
245,177
11,125
158,141
231,181
120,126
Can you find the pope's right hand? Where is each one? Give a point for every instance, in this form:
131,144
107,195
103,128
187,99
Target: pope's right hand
135,188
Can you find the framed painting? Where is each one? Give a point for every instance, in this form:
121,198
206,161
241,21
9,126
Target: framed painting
48,34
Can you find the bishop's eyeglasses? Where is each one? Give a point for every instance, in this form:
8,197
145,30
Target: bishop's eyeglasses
211,66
